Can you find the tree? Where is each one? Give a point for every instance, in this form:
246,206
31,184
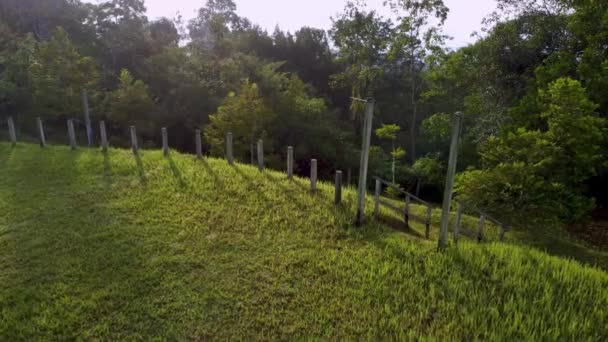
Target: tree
362,39
59,73
413,39
245,115
427,170
131,104
541,174
389,132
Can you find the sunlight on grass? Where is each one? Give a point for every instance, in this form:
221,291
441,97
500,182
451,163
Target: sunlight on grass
111,247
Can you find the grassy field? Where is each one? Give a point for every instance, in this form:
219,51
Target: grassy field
115,247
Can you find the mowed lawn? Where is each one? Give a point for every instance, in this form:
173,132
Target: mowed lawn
113,247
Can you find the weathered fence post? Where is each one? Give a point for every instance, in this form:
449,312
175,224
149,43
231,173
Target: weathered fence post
11,131
502,232
407,211
165,141
377,198
338,191
261,155
449,181
313,175
87,117
482,221
366,137
289,162
72,134
104,136
229,154
134,140
457,221
429,212
41,132
199,143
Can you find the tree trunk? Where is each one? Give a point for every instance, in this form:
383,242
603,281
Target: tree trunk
414,119
393,166
418,186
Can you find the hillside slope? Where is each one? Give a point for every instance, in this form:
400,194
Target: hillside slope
116,247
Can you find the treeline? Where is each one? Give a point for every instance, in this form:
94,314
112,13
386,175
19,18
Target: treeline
532,88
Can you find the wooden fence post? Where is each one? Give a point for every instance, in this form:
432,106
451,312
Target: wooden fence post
457,222
313,175
261,155
72,134
163,132
87,117
134,140
429,212
229,154
407,211
482,221
41,132
449,180
338,191
104,136
199,143
11,131
377,199
289,162
502,232
365,143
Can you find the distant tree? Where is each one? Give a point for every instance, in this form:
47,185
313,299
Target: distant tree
417,35
245,115
131,104
427,170
389,132
59,73
362,39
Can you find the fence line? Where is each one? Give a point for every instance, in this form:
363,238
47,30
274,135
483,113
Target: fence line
378,201
483,216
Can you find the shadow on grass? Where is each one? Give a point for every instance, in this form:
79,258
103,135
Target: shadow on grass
216,179
399,225
176,172
7,154
140,169
107,171
252,184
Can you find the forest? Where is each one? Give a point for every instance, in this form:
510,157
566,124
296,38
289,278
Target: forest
533,89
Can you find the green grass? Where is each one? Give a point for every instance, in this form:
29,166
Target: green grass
112,247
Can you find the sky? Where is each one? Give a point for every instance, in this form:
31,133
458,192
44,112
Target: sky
290,15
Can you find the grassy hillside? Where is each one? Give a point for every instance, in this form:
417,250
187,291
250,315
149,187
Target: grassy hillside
116,247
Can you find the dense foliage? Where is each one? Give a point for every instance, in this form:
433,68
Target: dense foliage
532,89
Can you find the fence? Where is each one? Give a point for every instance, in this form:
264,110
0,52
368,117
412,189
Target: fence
407,212
378,201
408,199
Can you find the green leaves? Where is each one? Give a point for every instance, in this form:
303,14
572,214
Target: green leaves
542,171
387,131
131,104
59,73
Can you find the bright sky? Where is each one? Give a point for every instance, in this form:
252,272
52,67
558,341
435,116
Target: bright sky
464,18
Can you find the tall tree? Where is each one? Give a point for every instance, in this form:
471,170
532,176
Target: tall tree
59,73
417,34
